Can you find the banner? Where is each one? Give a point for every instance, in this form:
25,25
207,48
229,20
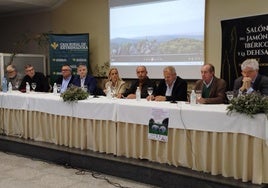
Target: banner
158,125
70,49
243,38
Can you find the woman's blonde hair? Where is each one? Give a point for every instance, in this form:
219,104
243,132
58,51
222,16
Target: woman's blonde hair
109,73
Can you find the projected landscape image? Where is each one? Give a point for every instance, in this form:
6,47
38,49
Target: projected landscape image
157,49
159,31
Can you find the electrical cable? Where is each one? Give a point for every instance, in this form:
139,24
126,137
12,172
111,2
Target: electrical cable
188,136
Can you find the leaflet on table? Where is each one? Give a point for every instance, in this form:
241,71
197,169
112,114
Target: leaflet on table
158,125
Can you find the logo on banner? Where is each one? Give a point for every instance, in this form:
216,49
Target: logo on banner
70,49
54,45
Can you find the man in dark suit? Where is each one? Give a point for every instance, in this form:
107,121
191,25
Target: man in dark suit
84,80
171,88
66,79
212,88
251,80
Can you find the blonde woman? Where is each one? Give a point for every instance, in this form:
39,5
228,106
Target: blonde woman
116,84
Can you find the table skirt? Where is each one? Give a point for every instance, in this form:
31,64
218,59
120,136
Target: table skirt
95,135
229,154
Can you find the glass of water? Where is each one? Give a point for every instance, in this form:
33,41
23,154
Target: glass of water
229,95
58,88
17,84
150,91
33,84
84,87
198,94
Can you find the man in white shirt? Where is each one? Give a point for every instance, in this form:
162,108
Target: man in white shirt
171,88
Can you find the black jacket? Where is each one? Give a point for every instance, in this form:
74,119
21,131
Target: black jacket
179,91
147,83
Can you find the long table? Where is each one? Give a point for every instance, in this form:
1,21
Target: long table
200,137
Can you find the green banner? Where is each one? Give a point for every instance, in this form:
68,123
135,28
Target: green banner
70,49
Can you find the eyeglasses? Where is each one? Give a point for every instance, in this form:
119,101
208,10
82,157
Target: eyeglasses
29,70
9,72
64,70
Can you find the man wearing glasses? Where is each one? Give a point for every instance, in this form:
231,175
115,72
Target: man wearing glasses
66,79
251,80
13,76
37,80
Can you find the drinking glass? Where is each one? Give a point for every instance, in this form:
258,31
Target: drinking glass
84,87
33,84
17,84
58,88
113,93
150,91
229,95
198,94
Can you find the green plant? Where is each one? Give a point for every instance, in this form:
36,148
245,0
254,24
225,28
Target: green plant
101,70
249,104
73,94
41,39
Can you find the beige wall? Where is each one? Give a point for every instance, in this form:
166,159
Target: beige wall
92,16
86,16
217,10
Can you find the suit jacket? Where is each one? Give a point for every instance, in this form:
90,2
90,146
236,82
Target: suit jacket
60,78
90,82
260,84
217,91
179,91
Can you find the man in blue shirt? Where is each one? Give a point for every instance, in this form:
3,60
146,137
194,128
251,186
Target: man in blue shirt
66,79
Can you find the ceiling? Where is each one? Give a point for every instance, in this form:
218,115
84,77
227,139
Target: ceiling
13,7
116,3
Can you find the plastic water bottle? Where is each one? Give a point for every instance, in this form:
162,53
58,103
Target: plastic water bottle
138,94
55,89
28,89
4,84
193,97
9,87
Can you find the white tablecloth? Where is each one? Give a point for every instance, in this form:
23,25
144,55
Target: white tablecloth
212,118
212,142
91,108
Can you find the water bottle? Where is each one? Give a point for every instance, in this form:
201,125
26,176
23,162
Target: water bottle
9,87
138,94
4,84
55,89
193,97
28,89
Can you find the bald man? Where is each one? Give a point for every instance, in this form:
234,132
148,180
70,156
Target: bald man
143,83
